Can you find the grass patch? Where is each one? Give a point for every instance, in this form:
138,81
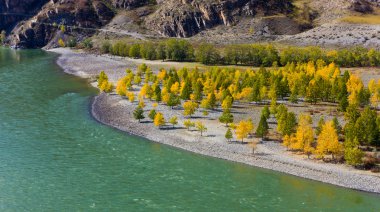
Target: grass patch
362,19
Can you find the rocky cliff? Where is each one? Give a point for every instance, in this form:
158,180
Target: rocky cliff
184,18
80,17
130,4
12,11
35,23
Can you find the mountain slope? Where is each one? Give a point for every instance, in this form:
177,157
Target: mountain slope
36,23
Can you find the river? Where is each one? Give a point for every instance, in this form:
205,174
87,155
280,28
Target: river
55,157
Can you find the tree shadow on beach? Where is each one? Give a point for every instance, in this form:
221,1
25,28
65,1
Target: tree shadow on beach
262,154
169,128
146,122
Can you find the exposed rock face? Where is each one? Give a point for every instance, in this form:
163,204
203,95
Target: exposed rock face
79,16
34,23
129,4
12,11
185,18
362,6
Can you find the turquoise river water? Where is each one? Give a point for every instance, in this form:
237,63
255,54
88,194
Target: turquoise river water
55,157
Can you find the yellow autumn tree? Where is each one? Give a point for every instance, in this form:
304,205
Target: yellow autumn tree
137,80
131,96
328,142
233,90
227,103
122,85
165,95
61,43
141,103
106,86
208,86
161,75
175,88
354,86
244,94
304,135
146,91
374,89
243,129
159,120
289,140
189,108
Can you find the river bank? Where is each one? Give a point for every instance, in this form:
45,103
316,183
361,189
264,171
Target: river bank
115,111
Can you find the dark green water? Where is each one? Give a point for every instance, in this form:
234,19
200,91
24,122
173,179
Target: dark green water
55,157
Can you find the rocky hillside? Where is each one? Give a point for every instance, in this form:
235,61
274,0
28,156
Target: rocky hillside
77,17
129,4
12,11
36,23
185,18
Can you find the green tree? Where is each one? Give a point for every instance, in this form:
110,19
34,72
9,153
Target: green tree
262,129
148,51
152,114
336,125
352,114
228,135
287,123
173,100
134,51
157,93
186,91
179,50
161,52
366,127
352,154
226,117
321,122
138,113
198,91
207,54
266,112
343,104
87,43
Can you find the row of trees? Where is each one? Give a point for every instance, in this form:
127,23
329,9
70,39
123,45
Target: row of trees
244,54
172,49
311,82
159,120
194,90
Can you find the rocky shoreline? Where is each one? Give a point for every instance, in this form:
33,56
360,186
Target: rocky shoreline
113,110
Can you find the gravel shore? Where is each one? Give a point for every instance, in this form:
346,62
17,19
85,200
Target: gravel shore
117,112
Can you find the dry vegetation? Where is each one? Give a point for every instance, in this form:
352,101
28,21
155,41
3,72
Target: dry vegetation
362,19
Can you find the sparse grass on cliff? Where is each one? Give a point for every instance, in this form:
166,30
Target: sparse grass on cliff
373,18
364,19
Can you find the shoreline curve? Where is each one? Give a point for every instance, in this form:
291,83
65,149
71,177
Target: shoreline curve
112,111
